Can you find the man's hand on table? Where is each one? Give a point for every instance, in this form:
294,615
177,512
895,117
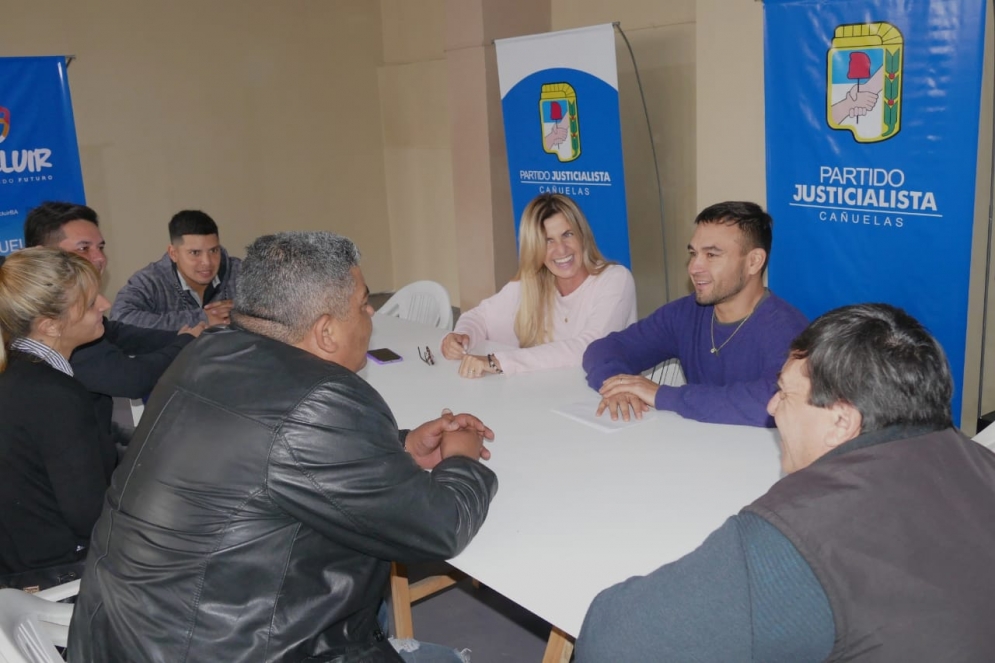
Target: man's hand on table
449,435
624,393
465,442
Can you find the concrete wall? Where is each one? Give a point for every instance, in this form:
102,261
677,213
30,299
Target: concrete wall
662,36
414,94
266,115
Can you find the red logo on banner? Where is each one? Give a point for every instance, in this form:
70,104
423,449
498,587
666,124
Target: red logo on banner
4,123
865,81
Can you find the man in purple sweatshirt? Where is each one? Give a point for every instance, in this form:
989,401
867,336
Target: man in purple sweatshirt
731,336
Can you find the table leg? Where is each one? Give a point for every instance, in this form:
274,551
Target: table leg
401,601
559,648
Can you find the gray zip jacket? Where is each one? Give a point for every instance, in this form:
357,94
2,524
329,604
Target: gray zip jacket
153,297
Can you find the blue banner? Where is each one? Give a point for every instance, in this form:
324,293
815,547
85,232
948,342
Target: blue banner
872,111
559,96
39,157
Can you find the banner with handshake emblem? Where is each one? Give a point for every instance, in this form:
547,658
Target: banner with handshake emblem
872,111
39,157
559,97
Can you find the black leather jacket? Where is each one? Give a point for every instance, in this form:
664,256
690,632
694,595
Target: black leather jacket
255,512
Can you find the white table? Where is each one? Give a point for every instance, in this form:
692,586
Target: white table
577,509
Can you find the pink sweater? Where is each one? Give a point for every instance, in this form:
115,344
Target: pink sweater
602,304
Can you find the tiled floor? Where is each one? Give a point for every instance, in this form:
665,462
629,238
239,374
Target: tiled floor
492,627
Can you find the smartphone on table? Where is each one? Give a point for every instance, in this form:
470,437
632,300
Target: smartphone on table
384,356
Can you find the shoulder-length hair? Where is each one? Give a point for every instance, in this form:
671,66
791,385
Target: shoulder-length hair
534,321
38,283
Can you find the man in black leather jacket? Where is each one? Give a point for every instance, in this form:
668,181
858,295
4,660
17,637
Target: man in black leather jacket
267,488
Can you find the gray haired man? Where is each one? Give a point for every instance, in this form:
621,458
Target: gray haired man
268,484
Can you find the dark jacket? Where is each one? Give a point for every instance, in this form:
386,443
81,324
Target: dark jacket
257,510
154,298
889,525
897,530
54,467
125,362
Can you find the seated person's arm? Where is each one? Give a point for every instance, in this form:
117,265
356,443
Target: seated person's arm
104,368
479,323
133,307
137,340
614,297
745,594
740,403
446,436
631,351
347,477
737,401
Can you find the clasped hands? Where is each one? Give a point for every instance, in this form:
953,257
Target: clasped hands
623,394
449,435
454,346
219,312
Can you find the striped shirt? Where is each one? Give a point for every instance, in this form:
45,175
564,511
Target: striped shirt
43,352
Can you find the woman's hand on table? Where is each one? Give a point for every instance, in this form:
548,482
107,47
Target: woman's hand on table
477,366
454,345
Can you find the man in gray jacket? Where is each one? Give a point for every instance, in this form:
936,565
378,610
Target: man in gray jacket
194,282
268,485
875,546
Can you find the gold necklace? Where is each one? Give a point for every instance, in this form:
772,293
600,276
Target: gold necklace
715,350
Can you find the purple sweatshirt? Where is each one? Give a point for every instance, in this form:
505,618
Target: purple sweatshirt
732,387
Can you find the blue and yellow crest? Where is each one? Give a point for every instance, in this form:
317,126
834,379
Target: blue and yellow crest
558,117
864,81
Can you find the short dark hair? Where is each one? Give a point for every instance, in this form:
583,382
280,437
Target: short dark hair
43,225
882,361
753,221
191,222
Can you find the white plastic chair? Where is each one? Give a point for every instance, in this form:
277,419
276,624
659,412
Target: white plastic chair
426,302
986,438
137,409
33,625
669,373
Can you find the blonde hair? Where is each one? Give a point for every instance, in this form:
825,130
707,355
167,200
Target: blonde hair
38,283
533,323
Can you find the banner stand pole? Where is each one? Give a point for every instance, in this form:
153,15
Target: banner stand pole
984,420
656,162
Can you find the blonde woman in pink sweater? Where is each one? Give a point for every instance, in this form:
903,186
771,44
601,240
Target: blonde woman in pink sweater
564,296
